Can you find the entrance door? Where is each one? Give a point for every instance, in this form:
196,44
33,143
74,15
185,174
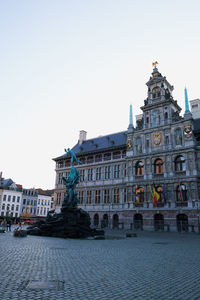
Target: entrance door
104,222
158,222
182,222
115,221
96,220
138,221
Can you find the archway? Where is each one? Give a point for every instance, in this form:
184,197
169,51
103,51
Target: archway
158,222
182,222
115,221
104,222
138,221
96,220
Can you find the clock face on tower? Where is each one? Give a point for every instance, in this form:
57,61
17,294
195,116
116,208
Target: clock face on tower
157,138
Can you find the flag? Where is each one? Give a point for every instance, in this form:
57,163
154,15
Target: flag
179,186
136,194
164,195
155,197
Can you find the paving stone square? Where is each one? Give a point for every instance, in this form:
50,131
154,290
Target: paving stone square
153,265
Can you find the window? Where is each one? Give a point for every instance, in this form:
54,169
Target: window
60,175
116,155
67,163
98,173
89,197
90,174
125,195
194,105
80,196
12,207
38,201
116,196
155,92
3,206
97,196
18,198
166,115
35,202
107,156
158,166
139,198
58,199
147,120
17,207
13,199
159,190
147,144
107,172
8,207
82,175
139,168
138,146
166,140
4,197
90,159
9,198
180,164
106,196
154,117
116,171
125,170
181,193
98,158
178,136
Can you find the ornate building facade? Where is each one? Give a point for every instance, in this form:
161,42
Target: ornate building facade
145,177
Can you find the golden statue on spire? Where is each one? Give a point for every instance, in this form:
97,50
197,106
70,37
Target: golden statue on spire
154,64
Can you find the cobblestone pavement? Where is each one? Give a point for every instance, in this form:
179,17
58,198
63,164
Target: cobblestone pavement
150,266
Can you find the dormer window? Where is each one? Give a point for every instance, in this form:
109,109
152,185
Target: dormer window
155,92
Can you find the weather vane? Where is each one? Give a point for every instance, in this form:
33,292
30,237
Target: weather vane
154,64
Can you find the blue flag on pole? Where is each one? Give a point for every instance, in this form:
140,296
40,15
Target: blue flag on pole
164,195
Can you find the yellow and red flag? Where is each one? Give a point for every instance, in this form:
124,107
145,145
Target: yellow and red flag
155,197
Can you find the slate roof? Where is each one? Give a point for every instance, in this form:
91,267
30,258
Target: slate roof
102,143
6,183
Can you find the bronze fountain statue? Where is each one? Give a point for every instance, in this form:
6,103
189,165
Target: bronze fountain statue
71,222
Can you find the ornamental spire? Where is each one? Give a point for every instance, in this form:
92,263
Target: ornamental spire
130,118
186,101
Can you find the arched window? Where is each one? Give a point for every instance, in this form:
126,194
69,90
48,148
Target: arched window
181,193
158,166
139,195
166,115
155,92
180,163
159,190
139,168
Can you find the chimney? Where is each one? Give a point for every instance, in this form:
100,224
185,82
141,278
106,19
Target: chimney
82,136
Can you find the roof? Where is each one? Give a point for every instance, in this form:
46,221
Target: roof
102,143
45,192
6,183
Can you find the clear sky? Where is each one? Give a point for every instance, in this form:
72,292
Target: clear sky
72,65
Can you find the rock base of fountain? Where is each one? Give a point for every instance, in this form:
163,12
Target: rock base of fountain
70,223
